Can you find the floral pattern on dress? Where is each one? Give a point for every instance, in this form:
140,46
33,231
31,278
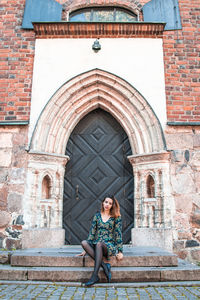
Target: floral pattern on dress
109,232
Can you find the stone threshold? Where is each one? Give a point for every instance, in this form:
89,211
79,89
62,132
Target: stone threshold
67,257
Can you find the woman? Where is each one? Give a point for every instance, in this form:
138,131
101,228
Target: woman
105,238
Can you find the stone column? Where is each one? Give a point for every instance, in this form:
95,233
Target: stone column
153,216
43,217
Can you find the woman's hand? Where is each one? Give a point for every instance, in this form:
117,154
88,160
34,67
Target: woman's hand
119,256
81,254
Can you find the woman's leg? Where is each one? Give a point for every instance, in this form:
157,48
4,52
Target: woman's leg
90,251
100,251
88,248
96,255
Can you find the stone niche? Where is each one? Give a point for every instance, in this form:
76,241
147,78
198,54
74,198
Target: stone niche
43,201
154,205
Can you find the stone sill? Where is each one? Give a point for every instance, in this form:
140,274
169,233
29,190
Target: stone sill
97,30
183,123
8,123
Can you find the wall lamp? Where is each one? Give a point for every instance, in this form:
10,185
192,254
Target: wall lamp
96,46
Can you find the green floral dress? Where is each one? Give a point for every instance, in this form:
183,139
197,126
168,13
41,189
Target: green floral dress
109,232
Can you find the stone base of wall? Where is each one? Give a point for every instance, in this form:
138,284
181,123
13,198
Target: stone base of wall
43,238
155,237
188,250
13,166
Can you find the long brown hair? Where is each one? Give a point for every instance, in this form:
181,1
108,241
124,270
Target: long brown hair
115,209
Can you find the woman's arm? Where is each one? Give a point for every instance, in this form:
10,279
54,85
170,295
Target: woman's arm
118,237
119,256
93,229
81,254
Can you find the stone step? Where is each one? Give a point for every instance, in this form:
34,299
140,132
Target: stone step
183,272
66,257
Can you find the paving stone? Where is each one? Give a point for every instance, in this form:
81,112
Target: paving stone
185,292
194,291
165,294
53,292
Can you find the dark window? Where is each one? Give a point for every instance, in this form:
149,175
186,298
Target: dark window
46,187
150,187
107,14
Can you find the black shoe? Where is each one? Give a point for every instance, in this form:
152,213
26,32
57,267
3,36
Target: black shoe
92,281
108,273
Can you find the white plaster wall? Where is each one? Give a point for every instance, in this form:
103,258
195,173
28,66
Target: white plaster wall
138,61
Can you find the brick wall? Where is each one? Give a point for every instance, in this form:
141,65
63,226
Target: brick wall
16,59
181,55
182,65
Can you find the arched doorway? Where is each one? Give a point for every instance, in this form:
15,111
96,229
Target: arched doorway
77,98
98,148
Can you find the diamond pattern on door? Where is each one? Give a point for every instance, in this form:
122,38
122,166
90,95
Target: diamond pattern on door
98,149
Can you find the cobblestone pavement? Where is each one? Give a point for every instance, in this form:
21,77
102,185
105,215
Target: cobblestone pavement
61,291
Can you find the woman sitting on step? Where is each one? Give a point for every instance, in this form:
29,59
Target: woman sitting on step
105,238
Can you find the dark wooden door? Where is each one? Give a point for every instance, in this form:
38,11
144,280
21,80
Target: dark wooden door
98,149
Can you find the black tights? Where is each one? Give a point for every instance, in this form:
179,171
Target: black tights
97,255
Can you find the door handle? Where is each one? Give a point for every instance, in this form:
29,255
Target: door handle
77,191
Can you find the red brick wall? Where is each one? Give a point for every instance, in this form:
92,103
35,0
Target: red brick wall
16,62
182,65
181,59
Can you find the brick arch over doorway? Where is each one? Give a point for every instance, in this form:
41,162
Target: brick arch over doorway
69,6
91,90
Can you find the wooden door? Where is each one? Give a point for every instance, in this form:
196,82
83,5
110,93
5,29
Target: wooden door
98,149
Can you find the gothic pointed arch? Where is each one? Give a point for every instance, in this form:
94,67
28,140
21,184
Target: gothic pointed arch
46,186
91,90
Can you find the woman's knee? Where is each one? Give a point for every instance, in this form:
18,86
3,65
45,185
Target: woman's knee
84,243
99,244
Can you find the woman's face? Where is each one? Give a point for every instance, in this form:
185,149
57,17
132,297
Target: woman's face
107,204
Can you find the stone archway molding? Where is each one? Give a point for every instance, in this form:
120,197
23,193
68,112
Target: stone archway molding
86,92
75,99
